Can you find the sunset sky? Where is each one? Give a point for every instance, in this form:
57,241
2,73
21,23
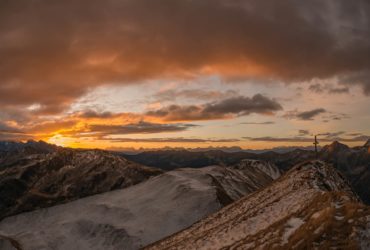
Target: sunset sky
120,74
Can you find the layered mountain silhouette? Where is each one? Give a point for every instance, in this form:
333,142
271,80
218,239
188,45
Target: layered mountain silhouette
172,159
354,163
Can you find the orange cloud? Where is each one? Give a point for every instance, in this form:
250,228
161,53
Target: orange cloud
51,57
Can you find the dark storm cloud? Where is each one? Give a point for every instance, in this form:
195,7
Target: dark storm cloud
227,108
244,105
182,113
137,128
305,115
309,115
52,52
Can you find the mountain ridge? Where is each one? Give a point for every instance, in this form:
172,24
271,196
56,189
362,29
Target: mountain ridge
46,179
138,215
311,206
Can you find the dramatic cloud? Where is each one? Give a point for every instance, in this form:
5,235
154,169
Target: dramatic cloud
10,133
4,136
231,107
309,115
303,132
305,115
244,105
94,114
62,62
358,78
52,52
332,134
258,123
4,128
138,128
172,140
198,94
335,117
279,139
320,88
50,126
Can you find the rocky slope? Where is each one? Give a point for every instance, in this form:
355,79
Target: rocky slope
136,216
266,167
311,207
354,163
44,179
13,153
7,243
367,144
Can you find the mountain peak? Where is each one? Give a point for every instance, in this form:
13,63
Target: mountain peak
335,146
367,144
322,176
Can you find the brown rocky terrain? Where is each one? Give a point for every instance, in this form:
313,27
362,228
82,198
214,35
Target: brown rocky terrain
136,216
46,179
310,207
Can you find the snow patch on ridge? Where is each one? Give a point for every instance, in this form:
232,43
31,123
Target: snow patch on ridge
266,167
291,226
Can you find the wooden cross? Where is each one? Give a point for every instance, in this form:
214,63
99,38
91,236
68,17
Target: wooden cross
316,143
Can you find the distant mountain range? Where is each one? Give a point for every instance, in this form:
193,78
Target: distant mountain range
61,198
232,149
172,159
354,163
